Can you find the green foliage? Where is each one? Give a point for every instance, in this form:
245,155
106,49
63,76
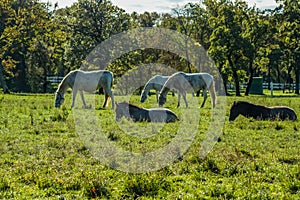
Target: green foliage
38,40
42,155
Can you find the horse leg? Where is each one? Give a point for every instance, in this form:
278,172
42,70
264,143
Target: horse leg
212,93
74,93
178,104
157,92
205,97
108,93
184,98
112,99
105,99
82,98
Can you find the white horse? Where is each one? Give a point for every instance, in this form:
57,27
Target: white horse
156,83
81,81
182,82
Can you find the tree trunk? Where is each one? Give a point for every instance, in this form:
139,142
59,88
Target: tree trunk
250,79
297,69
187,57
236,82
249,85
278,73
235,77
297,80
2,80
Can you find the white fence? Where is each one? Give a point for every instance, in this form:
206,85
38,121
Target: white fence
54,79
280,86
276,86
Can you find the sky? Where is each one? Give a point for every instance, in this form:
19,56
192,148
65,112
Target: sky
159,6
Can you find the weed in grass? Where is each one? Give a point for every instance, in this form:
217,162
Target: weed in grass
279,127
294,187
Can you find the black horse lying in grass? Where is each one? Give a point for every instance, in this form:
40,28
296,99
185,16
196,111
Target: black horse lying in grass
138,114
261,112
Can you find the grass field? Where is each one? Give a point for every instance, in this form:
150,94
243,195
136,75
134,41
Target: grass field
44,157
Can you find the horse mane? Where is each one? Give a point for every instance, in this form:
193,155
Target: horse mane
147,88
64,83
250,104
153,82
130,105
167,86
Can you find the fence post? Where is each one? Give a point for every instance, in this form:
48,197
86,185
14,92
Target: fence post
271,88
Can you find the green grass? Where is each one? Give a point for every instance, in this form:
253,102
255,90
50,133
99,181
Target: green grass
43,156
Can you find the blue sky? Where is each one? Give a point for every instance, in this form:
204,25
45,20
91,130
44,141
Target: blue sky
141,6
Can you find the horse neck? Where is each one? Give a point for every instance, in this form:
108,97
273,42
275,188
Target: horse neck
147,88
165,90
64,85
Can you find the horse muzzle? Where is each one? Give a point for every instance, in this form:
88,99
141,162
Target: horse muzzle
57,105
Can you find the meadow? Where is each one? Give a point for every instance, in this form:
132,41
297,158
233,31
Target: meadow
44,157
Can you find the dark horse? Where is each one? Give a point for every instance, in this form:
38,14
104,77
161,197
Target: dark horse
136,113
261,112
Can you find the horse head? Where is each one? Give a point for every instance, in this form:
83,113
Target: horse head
59,99
233,111
122,109
118,112
143,96
161,99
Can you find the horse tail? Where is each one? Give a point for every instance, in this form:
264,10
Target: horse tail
212,93
111,77
293,115
112,80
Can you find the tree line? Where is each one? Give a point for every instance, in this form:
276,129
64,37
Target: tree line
39,40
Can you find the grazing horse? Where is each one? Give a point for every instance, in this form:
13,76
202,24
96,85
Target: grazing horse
85,81
182,82
261,112
138,114
156,83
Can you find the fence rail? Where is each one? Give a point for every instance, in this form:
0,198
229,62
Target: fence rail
276,86
54,79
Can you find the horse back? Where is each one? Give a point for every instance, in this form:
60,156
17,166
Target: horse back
162,115
284,113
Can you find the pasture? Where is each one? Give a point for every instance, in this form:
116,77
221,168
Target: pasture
42,155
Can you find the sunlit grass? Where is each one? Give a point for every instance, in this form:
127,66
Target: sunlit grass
44,156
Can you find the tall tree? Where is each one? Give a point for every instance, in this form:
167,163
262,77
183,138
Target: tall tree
25,24
227,44
6,12
90,22
289,33
256,32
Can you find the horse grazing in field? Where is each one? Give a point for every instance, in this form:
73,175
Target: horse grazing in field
138,114
182,82
156,83
81,81
261,112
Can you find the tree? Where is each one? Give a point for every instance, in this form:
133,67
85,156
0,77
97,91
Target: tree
227,44
89,24
27,21
256,32
289,34
6,12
